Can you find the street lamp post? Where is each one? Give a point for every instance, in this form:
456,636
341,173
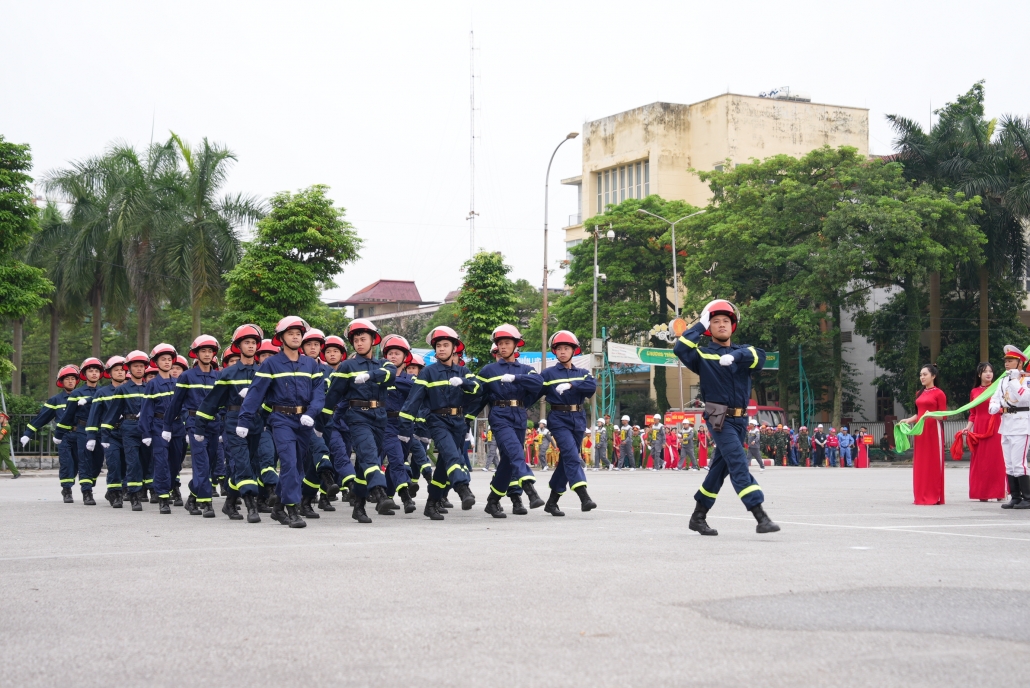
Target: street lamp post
543,329
610,235
675,282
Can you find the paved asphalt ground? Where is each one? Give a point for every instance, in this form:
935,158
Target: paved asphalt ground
861,588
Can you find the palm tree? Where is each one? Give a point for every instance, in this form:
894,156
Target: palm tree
203,244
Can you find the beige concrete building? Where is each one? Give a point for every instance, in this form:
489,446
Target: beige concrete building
651,150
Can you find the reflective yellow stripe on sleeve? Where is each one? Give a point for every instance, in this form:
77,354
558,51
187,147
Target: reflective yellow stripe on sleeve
754,354
684,340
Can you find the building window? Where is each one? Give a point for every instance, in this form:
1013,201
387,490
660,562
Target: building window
371,310
884,403
647,178
361,312
622,184
607,195
600,206
568,248
639,185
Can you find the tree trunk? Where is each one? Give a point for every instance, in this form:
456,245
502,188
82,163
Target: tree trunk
98,322
838,367
783,374
911,356
935,316
54,362
195,309
985,349
19,328
143,326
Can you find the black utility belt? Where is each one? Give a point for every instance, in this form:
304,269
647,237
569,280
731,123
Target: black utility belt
192,413
159,415
131,416
735,412
1013,409
81,423
290,410
450,411
364,404
507,403
393,414
566,407
233,408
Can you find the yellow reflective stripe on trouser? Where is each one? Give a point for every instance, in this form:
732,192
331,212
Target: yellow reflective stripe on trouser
579,484
442,486
311,484
749,489
496,491
344,481
371,469
453,468
706,493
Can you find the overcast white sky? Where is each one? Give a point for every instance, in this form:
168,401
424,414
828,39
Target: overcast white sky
373,98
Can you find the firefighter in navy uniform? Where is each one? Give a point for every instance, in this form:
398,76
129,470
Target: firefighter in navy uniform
111,442
357,391
231,388
418,461
120,421
290,388
509,387
67,452
157,398
71,425
566,387
445,389
725,370
319,476
395,445
336,432
190,389
268,478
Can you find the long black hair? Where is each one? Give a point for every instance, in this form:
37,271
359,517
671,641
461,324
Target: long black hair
980,371
933,371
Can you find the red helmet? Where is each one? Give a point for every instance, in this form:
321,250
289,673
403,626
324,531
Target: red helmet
151,370
722,307
290,321
267,347
314,334
67,370
507,331
565,337
204,340
334,341
162,348
136,356
417,361
241,333
362,325
229,353
444,332
461,361
395,341
493,351
91,363
181,361
112,362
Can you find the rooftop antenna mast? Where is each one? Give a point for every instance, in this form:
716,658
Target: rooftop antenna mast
472,145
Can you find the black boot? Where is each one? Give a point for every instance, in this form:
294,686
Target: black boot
272,499
1015,494
224,483
109,497
384,505
432,510
406,500
698,521
493,506
535,501
358,514
468,500
552,504
324,503
262,506
765,524
585,503
66,494
117,501
1024,489
413,488
517,507
176,496
207,510
166,507
329,485
446,504
134,500
154,499
190,506
293,518
87,498
279,515
252,509
305,508
230,508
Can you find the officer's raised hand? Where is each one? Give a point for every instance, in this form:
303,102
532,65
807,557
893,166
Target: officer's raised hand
706,316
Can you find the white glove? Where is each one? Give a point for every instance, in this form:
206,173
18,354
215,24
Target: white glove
91,445
706,317
402,438
82,401
146,441
307,421
361,378
166,436
187,440
57,441
199,438
508,378
24,440
1013,375
219,438
317,433
562,388
726,360
424,440
241,431
456,382
105,445
243,392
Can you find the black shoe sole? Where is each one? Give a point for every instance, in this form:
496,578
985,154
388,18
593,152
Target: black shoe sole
710,531
554,511
587,506
468,503
386,508
253,519
361,518
410,508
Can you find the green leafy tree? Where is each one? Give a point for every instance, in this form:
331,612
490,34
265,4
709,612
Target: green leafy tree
23,288
300,245
486,299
